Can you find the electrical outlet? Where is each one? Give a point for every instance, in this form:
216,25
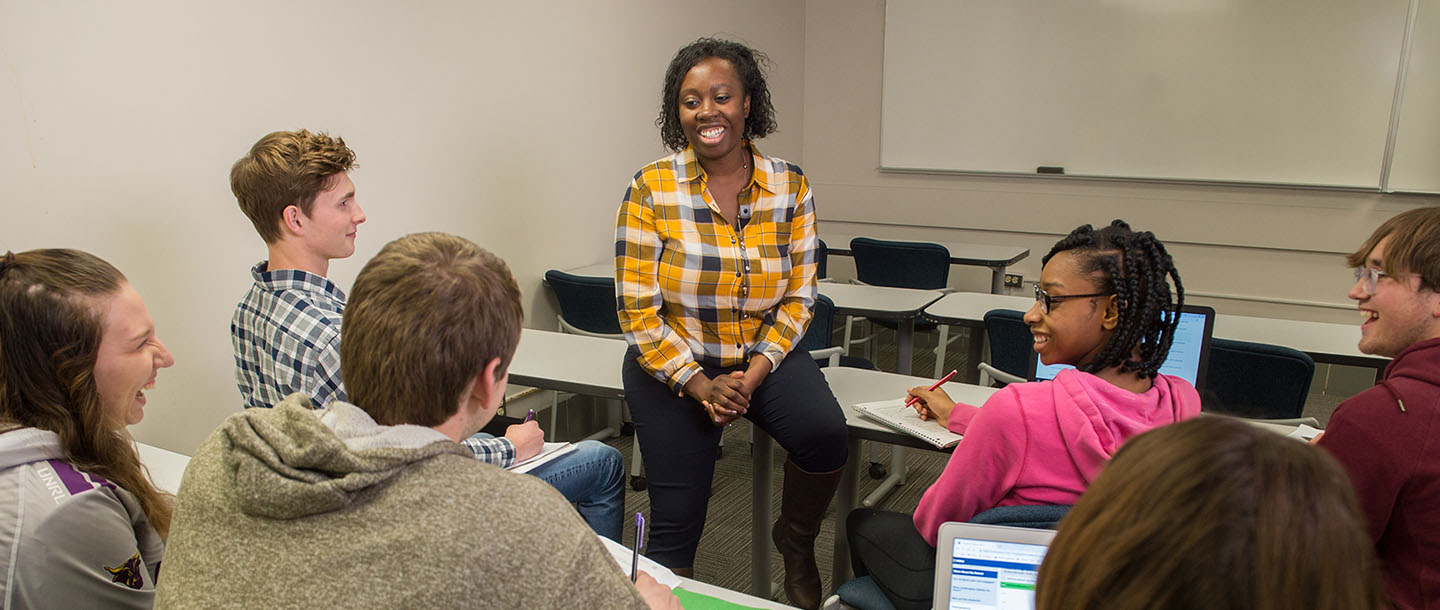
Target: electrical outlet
1013,280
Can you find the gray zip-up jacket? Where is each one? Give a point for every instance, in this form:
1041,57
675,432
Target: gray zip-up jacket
70,539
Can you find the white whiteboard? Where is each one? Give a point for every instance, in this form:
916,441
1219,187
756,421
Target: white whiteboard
1267,91
1416,164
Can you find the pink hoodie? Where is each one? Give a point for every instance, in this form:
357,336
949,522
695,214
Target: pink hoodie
1042,443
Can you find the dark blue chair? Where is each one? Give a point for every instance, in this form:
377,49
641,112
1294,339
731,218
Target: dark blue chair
1044,517
1257,380
587,304
819,336
1010,346
905,264
822,259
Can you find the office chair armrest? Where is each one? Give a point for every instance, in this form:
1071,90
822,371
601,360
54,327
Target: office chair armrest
999,375
832,354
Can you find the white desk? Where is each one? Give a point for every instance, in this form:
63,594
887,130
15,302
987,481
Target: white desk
900,304
606,270
166,467
853,386
569,363
968,308
996,258
1324,341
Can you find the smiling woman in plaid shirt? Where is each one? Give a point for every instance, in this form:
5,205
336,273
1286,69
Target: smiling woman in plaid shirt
715,273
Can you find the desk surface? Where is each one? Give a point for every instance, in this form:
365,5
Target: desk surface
166,467
1323,341
852,385
878,301
968,308
570,363
606,270
961,253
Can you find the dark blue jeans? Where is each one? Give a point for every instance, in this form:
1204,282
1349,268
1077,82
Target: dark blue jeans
793,404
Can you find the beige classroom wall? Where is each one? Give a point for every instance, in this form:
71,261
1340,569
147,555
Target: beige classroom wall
1274,252
514,124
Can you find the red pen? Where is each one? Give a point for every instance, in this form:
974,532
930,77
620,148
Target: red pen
911,402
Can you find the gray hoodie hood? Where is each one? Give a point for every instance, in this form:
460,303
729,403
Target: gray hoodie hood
291,461
27,445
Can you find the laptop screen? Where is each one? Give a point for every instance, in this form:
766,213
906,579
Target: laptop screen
993,575
1188,356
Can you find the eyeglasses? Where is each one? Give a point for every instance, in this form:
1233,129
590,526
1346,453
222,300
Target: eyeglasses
1371,276
1047,301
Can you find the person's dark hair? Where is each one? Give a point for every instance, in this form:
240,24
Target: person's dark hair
1134,265
1214,513
50,329
749,65
425,316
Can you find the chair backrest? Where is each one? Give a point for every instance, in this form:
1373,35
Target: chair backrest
586,303
822,325
1257,380
1010,340
1035,517
901,264
820,335
822,258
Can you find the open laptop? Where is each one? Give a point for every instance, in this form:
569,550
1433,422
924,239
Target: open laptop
1189,352
988,567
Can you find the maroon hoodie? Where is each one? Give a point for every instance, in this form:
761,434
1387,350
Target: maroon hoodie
1388,438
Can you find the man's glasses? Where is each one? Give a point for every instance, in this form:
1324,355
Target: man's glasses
1047,301
1370,276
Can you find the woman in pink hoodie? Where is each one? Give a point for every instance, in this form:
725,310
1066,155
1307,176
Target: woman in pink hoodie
1104,304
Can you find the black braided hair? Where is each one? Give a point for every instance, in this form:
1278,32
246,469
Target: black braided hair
1133,265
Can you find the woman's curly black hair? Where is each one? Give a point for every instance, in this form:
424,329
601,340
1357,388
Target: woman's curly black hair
1133,265
748,64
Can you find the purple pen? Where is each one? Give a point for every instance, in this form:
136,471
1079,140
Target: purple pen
530,416
639,539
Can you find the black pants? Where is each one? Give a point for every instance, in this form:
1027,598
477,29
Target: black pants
793,404
886,546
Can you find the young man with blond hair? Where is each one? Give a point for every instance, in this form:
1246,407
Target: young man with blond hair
375,504
295,187
1388,437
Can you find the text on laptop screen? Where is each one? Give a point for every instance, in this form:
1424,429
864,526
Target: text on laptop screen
991,575
1182,361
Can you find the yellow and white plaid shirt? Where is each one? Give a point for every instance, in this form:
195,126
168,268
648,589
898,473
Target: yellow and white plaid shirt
692,288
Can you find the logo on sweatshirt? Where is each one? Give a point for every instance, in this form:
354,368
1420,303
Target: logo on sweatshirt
128,573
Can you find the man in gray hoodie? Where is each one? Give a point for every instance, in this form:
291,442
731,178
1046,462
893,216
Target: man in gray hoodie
378,505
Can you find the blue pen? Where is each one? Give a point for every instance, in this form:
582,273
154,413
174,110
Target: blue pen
639,539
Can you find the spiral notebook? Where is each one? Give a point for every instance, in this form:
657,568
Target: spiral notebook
894,414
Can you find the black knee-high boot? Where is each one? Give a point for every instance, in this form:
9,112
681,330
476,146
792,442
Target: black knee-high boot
802,507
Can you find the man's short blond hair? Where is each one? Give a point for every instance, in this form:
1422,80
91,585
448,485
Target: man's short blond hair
426,315
286,168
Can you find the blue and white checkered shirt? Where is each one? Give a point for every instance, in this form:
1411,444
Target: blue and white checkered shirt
286,335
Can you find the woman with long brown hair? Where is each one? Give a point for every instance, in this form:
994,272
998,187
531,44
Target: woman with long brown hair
1214,513
77,352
